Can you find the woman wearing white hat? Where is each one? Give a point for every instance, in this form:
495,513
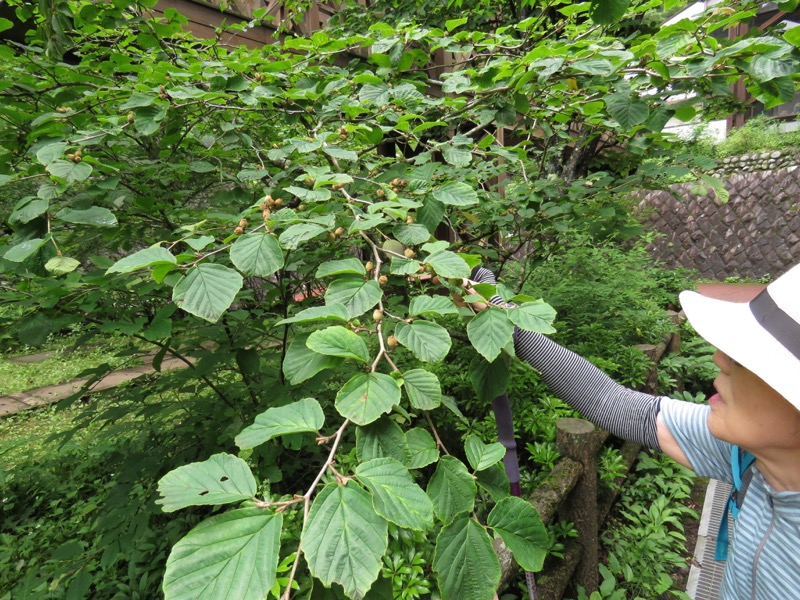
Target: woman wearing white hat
757,408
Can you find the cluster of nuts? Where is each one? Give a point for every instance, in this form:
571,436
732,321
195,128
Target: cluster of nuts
336,233
240,228
267,205
76,157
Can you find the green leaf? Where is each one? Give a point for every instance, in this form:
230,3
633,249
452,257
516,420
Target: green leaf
763,68
456,193
423,389
24,250
448,264
428,341
349,266
412,234
28,211
71,171
432,305
60,265
301,364
395,496
221,479
47,154
367,396
490,332
627,111
340,153
320,195
522,531
495,481
458,156
137,100
344,539
489,379
257,255
302,416
534,316
198,243
466,565
338,341
332,312
608,12
147,119
232,555
482,456
96,215
357,295
421,447
403,266
207,290
452,489
382,438
143,258
293,236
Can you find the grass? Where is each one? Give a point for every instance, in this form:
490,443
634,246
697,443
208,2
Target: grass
63,364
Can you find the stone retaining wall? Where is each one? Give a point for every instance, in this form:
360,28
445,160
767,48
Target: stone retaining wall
756,233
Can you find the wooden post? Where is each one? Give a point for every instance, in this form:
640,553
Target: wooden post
576,439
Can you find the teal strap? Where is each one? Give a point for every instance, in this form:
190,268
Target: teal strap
741,461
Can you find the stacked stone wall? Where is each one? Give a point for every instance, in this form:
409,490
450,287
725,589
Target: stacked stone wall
755,234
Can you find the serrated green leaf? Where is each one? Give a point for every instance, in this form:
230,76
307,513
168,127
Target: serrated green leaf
522,531
367,396
143,258
332,312
412,234
96,215
495,481
449,403
347,266
482,456
221,479
340,153
451,489
257,254
607,12
302,416
293,236
534,316
466,565
69,170
50,152
489,379
338,341
458,156
403,266
301,364
24,250
428,341
395,496
28,211
382,438
627,111
490,332
448,264
231,555
198,243
432,305
344,539
423,389
357,295
456,193
207,290
60,265
421,447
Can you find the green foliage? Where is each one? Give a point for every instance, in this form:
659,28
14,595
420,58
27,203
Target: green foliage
267,216
647,543
759,134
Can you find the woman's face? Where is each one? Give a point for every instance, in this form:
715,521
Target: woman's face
748,412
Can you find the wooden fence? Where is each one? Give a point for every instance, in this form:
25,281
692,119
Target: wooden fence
570,493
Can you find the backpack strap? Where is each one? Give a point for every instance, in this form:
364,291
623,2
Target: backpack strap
741,468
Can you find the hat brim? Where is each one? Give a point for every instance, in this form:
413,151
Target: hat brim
732,328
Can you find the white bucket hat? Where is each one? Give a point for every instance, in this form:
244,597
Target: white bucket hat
762,335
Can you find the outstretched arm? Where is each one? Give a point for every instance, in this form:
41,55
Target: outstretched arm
624,412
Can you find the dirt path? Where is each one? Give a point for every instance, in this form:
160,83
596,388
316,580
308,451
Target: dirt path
18,401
